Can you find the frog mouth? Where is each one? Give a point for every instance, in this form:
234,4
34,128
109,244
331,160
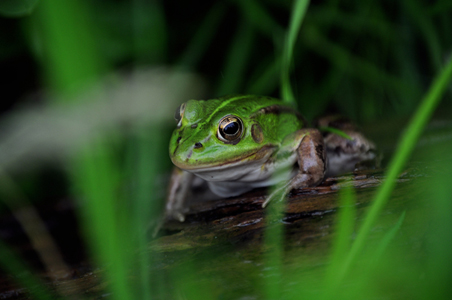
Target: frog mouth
257,156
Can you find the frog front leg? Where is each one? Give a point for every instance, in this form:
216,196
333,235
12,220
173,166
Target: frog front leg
311,157
180,183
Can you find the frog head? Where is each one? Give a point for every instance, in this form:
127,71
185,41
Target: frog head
219,132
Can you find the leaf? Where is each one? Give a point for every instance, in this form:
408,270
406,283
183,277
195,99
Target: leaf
405,148
17,8
345,226
385,241
299,10
336,131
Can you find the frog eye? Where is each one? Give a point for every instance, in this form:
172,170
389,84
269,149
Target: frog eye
230,129
179,114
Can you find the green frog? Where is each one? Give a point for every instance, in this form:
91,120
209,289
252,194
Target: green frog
239,143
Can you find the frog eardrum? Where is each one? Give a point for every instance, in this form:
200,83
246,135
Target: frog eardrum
179,114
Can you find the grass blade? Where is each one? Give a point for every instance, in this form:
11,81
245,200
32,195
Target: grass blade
384,243
274,240
96,177
33,225
258,16
15,266
236,61
356,66
203,36
265,80
427,29
439,240
67,34
298,13
150,32
146,197
13,8
404,150
345,225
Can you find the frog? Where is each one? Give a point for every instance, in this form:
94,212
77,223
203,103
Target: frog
242,142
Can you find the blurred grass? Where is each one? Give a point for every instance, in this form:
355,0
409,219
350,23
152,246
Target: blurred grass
13,264
236,61
11,8
398,162
368,61
298,13
96,177
202,38
274,212
149,32
345,226
71,56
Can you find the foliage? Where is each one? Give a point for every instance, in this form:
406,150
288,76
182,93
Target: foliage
366,60
17,8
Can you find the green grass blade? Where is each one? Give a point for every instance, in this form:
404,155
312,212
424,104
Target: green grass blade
298,12
360,68
404,150
321,94
273,241
335,131
345,225
265,80
440,7
33,226
427,29
96,176
189,283
203,37
16,267
14,8
145,171
353,23
150,36
445,28
439,239
145,201
273,235
70,51
236,61
259,17
386,240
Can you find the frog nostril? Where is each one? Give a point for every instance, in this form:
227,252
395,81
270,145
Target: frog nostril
198,145
178,139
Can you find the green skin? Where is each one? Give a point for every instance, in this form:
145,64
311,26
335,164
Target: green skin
271,139
207,114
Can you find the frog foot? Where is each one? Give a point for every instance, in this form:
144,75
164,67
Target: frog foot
311,162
